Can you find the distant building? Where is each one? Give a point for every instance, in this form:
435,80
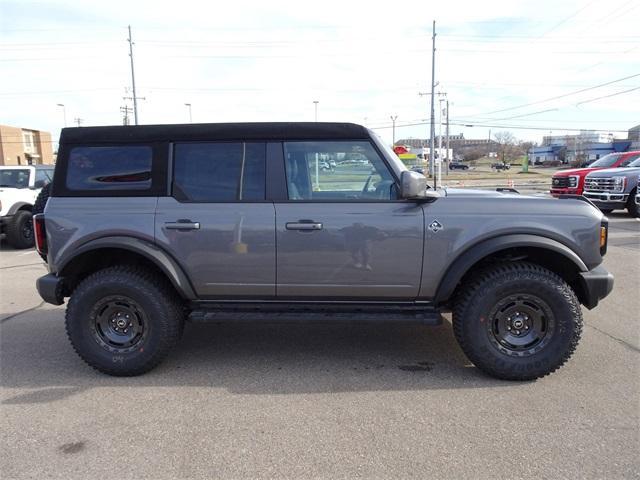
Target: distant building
455,141
24,146
634,137
582,151
585,136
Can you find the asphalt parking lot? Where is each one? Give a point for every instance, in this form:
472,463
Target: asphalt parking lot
317,401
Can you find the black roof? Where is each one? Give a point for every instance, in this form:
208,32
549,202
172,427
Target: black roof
215,131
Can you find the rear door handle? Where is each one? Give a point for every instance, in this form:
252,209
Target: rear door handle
303,225
182,225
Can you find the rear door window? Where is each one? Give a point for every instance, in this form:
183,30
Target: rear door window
219,172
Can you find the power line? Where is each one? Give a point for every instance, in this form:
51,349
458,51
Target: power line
557,97
607,96
508,127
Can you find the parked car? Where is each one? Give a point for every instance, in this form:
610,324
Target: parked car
458,166
139,247
614,188
19,188
500,166
571,182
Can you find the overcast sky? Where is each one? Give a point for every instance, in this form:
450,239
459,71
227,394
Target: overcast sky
362,61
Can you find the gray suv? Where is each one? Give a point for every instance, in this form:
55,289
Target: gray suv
149,226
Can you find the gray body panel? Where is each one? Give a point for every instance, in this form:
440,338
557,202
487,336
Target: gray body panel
364,250
232,254
469,219
75,221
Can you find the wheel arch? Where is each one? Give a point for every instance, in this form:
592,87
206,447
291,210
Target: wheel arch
108,251
20,206
544,251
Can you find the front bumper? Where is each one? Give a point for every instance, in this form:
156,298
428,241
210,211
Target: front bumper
608,199
556,192
51,288
596,284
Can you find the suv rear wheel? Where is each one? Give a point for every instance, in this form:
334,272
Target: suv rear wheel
123,321
517,321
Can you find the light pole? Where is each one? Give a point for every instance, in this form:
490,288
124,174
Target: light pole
315,106
64,112
188,105
393,119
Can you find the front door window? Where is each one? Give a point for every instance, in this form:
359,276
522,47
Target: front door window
336,170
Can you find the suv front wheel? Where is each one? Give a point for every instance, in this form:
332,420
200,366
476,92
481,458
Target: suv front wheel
122,321
517,321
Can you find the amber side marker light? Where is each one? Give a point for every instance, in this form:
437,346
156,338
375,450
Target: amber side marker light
604,233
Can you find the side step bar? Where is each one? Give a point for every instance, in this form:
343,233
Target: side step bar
322,313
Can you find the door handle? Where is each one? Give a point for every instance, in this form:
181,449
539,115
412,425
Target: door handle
182,225
303,225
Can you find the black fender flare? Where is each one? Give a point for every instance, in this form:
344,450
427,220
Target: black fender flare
478,251
16,207
159,257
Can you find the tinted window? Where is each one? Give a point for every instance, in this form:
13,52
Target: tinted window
109,168
629,160
43,177
219,172
336,170
14,178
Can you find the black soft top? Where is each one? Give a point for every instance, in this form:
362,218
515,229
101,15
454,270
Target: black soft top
214,131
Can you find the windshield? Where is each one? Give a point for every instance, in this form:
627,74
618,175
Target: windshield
394,160
14,178
606,161
627,162
634,163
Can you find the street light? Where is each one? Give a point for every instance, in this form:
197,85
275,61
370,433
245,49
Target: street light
64,112
315,105
393,119
188,105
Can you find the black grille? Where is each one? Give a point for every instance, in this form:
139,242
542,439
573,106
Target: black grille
560,182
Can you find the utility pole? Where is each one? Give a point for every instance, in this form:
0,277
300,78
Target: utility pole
433,120
125,114
440,111
133,79
447,156
393,119
315,107
78,121
188,105
64,112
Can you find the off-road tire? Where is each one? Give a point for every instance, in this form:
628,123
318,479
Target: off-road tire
20,230
39,204
41,199
156,304
632,206
475,319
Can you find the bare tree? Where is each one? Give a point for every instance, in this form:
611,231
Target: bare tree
506,146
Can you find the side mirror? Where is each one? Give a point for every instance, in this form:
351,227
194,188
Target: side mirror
412,185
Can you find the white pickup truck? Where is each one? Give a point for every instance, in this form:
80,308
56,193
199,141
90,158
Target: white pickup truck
19,188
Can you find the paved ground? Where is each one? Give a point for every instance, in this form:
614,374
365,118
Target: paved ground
318,401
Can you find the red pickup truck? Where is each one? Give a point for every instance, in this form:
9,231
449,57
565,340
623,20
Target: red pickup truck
572,181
